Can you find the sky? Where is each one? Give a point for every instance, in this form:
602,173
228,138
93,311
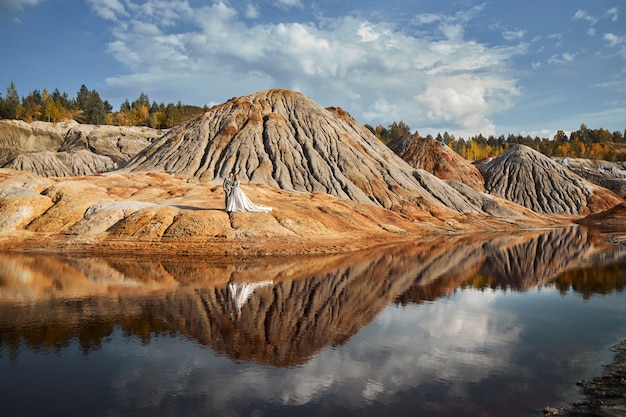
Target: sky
494,67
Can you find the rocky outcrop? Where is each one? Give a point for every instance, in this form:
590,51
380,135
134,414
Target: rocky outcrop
606,174
533,180
68,148
62,164
438,159
464,199
119,143
616,216
156,212
18,137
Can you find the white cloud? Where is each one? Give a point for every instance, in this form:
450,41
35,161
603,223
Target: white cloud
108,9
426,18
613,14
510,35
613,39
252,11
558,37
289,3
564,58
361,65
583,15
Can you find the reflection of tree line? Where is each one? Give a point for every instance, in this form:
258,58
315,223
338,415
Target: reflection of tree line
310,304
604,279
52,325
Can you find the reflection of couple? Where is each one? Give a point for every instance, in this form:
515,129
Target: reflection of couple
239,293
236,199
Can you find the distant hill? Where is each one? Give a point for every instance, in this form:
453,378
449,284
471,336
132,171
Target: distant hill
533,180
438,159
69,148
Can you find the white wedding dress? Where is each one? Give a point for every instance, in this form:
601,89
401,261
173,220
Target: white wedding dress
239,201
239,293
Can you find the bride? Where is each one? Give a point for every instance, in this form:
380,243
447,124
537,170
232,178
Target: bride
239,201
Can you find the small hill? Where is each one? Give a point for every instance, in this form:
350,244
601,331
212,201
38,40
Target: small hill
18,137
533,180
438,159
615,216
606,174
119,143
69,148
62,164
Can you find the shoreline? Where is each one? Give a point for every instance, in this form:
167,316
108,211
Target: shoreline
604,395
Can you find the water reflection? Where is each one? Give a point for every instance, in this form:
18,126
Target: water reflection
462,325
281,312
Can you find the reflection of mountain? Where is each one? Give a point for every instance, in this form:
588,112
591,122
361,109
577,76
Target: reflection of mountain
285,324
288,310
538,261
516,262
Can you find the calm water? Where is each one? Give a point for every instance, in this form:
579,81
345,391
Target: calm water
462,326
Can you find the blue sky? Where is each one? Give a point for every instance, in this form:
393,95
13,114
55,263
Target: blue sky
465,67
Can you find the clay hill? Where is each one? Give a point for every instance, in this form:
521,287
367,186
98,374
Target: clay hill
533,180
333,185
610,175
69,148
285,140
438,159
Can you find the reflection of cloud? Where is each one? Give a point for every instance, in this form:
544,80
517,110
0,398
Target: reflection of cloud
459,340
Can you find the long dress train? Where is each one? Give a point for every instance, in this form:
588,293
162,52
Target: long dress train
239,201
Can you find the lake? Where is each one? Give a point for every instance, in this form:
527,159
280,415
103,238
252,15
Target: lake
490,325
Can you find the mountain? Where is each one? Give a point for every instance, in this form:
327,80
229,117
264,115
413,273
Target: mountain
535,181
438,159
285,140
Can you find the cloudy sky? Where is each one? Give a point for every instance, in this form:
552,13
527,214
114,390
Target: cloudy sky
465,66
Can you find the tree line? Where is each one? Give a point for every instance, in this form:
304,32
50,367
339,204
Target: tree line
582,143
88,107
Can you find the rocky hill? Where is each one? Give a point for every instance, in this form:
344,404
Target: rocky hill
69,148
18,137
438,159
606,174
285,140
533,180
333,185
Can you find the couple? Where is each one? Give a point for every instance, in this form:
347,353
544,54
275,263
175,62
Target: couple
236,199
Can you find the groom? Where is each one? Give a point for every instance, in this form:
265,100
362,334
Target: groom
228,187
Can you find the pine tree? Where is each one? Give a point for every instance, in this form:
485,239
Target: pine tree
11,104
95,112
